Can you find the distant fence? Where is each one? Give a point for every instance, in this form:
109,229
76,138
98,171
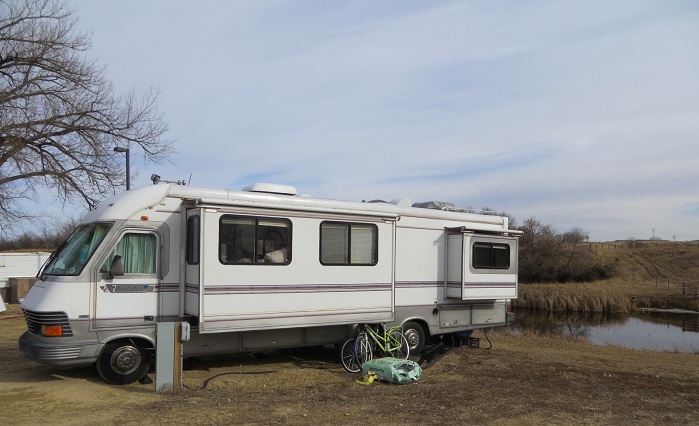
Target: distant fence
688,290
642,245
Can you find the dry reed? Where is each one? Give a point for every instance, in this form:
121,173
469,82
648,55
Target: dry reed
600,296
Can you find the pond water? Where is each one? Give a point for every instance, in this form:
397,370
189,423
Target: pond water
647,330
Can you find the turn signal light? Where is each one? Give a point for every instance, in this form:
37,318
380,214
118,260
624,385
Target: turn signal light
52,330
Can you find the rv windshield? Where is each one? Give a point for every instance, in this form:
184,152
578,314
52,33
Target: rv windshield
72,256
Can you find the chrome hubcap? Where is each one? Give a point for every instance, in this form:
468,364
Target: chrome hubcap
413,338
126,359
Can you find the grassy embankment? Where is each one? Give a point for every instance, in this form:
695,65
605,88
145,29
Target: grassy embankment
647,275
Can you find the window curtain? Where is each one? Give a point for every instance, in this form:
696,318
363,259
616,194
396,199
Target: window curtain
139,252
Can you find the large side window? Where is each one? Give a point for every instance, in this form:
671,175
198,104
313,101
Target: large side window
491,255
348,243
193,240
254,240
139,252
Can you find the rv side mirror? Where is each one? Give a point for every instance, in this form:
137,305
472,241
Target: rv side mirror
117,268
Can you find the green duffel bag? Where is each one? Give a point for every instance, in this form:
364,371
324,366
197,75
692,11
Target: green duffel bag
393,370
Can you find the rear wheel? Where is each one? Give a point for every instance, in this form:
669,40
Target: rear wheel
402,351
415,335
122,362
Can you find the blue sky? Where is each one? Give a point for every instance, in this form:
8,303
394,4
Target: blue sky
579,113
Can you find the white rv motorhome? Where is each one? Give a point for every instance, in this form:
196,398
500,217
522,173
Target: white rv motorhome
261,268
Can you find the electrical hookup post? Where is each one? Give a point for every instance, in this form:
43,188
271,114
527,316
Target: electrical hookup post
168,363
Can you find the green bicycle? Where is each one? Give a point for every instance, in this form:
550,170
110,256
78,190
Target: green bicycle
373,338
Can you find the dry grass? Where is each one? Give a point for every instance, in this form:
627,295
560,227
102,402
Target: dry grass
588,297
520,380
651,276
615,295
652,263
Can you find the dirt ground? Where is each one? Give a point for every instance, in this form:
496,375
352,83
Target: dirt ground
519,380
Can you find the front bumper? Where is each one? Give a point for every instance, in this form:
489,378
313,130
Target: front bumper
50,353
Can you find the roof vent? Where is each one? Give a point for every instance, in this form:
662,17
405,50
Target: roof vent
271,188
403,202
437,205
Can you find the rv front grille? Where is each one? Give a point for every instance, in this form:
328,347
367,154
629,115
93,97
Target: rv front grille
36,319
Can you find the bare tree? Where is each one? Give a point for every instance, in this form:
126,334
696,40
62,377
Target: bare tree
540,251
573,239
47,237
60,119
547,256
511,221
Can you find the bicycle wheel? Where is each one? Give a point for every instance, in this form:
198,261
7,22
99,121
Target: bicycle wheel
362,349
349,358
355,352
399,345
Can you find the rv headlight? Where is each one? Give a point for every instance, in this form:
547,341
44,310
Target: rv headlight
52,330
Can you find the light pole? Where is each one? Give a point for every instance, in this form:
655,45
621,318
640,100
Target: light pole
128,168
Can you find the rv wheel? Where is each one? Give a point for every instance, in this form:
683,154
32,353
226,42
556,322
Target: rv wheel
122,362
415,335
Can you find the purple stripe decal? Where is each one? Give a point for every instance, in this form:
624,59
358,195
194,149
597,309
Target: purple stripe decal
309,288
481,285
419,284
298,315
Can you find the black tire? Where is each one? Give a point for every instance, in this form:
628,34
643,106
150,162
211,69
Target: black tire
415,335
123,362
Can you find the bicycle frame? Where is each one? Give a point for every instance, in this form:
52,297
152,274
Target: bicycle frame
388,342
358,350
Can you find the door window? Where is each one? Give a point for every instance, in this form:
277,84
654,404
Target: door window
193,240
138,250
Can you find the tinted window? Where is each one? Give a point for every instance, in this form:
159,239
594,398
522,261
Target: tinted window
253,240
491,256
193,240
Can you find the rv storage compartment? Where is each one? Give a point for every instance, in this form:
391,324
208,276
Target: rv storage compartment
487,314
454,316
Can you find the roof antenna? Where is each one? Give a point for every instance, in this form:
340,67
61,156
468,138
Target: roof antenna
156,180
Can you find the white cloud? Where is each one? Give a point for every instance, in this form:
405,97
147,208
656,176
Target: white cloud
578,113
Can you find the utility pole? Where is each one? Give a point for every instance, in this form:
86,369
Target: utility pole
128,168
